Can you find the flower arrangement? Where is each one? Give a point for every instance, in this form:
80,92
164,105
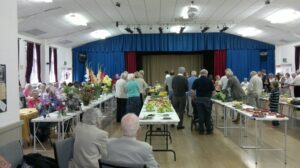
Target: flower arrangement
87,94
61,110
107,83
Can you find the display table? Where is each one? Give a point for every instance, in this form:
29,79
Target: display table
26,114
154,118
52,118
258,127
99,101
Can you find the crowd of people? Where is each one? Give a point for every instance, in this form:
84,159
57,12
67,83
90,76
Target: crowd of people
192,93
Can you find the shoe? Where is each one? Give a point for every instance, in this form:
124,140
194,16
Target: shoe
236,121
222,117
172,125
180,127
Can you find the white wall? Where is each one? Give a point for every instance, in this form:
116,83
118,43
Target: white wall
63,54
9,57
288,52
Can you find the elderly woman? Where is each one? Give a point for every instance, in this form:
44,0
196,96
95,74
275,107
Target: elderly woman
35,100
132,89
121,96
90,142
27,91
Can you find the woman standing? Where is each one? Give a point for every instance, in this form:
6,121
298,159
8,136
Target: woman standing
132,89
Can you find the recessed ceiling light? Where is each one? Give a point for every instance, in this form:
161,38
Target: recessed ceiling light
283,16
175,29
100,34
46,1
76,19
249,31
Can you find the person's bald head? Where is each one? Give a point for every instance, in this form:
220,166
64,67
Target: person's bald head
130,125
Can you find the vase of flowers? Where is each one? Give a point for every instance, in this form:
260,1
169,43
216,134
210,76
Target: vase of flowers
86,94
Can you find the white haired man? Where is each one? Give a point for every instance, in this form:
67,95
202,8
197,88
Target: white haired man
255,88
90,141
202,89
180,87
121,96
128,149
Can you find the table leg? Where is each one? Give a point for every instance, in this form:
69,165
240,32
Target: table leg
256,141
63,130
225,121
58,130
285,134
34,138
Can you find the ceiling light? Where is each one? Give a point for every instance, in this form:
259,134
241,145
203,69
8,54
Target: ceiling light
100,34
249,31
190,11
128,30
76,19
46,1
160,29
175,29
283,16
204,29
139,30
182,29
224,29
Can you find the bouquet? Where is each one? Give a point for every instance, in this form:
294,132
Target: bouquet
87,94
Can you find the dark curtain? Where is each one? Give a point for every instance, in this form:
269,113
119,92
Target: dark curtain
297,57
38,54
208,62
29,55
55,61
130,62
55,64
219,62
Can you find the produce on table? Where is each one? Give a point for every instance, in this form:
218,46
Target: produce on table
220,96
159,105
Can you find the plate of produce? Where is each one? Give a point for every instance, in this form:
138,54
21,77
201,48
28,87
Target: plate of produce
280,115
258,115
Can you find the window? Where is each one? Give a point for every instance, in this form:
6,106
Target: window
52,65
34,72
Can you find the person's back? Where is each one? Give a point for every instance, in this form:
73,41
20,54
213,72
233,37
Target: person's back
130,150
237,91
256,85
90,142
179,85
203,87
132,88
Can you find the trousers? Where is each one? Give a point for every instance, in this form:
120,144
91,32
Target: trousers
179,106
204,107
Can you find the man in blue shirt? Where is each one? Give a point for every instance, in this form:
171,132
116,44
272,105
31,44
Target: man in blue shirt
191,80
202,89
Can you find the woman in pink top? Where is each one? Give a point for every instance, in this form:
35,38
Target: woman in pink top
34,100
27,90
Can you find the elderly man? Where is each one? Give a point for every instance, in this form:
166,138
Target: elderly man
234,88
202,89
121,96
90,141
191,80
180,87
255,88
128,149
168,83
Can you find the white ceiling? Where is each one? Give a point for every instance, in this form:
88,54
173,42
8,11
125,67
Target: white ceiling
103,14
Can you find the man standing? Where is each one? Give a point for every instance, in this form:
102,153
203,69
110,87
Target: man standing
121,96
254,89
191,80
202,89
168,83
180,87
235,89
223,82
128,149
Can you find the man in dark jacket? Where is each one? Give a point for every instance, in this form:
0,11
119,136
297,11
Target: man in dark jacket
180,87
202,89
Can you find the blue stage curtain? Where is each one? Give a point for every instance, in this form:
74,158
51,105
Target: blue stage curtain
242,62
115,47
111,62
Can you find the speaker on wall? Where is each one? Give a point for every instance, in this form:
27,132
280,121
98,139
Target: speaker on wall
263,55
82,57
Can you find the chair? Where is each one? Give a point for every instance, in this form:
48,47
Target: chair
113,164
63,152
13,153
